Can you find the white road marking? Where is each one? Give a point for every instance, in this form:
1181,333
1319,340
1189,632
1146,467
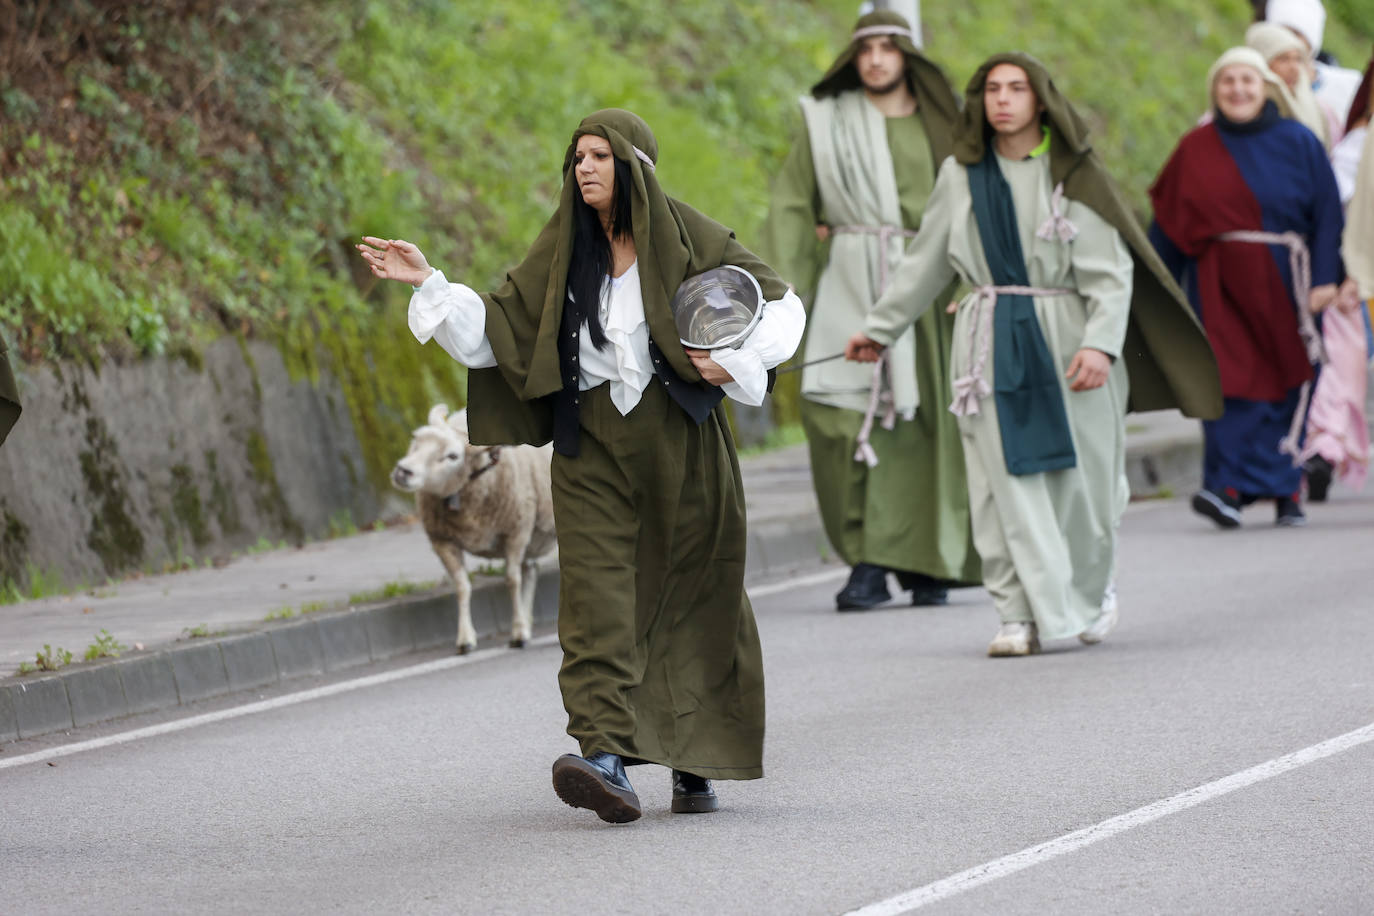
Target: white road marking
305,696
764,591
1071,842
290,699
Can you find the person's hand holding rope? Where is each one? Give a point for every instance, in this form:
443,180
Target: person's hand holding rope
863,349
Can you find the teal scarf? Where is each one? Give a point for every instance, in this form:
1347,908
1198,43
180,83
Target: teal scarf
1030,404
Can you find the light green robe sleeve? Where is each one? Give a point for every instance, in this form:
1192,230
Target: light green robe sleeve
789,243
924,271
1102,274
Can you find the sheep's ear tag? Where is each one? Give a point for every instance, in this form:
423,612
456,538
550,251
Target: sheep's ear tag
452,502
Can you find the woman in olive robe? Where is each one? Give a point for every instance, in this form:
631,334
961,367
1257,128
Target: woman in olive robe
661,655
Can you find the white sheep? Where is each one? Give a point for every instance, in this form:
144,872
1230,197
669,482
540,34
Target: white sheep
493,501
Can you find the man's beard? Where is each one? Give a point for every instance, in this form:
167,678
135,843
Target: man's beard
888,88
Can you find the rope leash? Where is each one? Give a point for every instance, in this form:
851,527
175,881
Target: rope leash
815,362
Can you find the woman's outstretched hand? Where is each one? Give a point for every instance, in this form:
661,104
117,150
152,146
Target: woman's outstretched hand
395,259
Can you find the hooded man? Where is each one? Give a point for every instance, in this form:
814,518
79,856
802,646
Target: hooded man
892,495
1334,86
1068,297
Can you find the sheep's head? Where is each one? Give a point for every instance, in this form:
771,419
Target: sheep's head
441,458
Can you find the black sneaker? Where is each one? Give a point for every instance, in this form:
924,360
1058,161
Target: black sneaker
866,588
1220,508
1288,514
1318,478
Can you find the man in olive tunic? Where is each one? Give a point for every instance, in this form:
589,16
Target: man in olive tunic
850,196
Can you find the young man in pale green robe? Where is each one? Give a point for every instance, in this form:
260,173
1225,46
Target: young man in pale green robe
1046,530
859,174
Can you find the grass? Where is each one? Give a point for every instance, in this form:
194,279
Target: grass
49,659
341,524
36,584
391,590
104,646
783,436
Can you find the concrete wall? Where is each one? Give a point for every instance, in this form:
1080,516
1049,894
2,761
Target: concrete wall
140,466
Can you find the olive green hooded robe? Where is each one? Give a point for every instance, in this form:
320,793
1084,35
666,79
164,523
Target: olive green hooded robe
661,655
850,165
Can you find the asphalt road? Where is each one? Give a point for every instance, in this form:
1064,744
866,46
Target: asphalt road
897,756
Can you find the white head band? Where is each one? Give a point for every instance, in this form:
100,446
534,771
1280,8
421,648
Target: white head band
643,157
872,30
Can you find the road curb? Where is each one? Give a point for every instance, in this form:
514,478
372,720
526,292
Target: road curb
273,653
1166,467
261,656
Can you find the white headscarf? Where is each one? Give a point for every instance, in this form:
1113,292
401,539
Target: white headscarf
1306,17
1271,40
1275,89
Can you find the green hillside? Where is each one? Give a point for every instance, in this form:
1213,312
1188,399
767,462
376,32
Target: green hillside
172,172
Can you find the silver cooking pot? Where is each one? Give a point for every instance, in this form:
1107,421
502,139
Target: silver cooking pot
717,308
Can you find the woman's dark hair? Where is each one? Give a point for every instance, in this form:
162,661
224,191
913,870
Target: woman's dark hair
591,252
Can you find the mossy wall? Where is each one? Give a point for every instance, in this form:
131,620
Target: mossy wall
158,466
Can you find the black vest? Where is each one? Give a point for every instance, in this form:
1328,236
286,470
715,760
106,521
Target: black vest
697,399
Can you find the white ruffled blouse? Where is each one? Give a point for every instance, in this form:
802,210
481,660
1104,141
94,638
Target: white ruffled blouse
455,316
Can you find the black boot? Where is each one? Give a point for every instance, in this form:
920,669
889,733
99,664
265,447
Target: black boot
597,782
1287,512
866,588
926,591
693,794
1318,478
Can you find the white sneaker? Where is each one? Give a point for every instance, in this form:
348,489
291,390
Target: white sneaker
1105,622
1014,639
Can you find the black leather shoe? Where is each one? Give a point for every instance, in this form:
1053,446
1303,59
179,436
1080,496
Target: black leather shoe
866,588
693,794
1318,478
599,783
1288,514
929,596
926,591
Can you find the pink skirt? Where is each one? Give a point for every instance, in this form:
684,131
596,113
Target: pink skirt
1336,428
